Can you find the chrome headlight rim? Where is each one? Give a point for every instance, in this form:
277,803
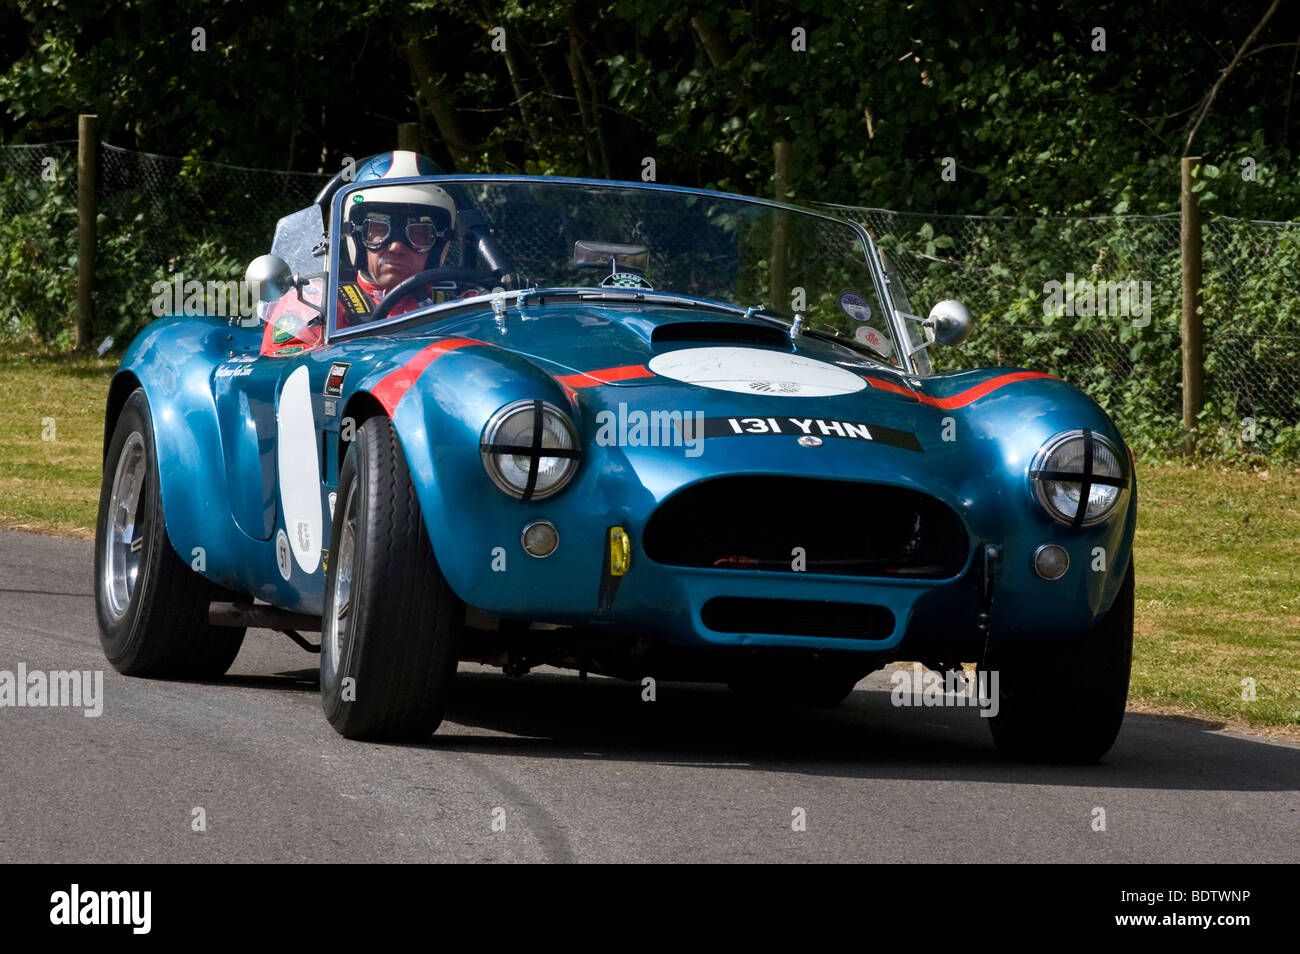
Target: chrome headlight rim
1040,477
490,448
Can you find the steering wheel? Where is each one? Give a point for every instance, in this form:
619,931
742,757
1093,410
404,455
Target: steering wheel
428,276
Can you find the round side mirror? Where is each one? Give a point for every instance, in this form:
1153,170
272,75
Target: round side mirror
271,278
950,321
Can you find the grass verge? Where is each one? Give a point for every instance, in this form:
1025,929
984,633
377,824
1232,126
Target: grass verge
52,419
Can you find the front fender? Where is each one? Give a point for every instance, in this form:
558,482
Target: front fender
1004,432
172,360
439,419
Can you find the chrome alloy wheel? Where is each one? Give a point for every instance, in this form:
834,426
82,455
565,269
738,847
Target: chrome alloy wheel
342,602
125,541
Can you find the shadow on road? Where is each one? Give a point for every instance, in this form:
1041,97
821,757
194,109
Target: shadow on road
298,680
556,716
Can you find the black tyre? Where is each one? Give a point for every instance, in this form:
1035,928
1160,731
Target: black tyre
391,623
152,607
1075,720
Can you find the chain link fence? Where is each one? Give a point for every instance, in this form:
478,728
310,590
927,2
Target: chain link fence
1097,302
229,208
158,217
1093,300
38,239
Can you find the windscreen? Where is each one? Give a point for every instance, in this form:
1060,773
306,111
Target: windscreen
466,237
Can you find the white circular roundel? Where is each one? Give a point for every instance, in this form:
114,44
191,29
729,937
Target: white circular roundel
751,371
282,554
299,470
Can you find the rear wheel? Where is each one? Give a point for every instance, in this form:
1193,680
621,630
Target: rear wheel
1043,719
391,622
152,607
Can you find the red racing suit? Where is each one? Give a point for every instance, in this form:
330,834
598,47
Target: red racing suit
293,326
358,298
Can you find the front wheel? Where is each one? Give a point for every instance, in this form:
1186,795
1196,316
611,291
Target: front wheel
1043,718
152,607
391,622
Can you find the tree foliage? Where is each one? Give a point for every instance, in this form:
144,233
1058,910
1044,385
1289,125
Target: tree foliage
873,95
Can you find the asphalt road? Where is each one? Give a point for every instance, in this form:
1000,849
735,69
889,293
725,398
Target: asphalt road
575,771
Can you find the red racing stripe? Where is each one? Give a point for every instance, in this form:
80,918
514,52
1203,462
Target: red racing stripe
592,378
396,383
961,398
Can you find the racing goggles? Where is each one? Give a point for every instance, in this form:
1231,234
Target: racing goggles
377,229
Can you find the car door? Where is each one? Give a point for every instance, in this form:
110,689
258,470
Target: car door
248,389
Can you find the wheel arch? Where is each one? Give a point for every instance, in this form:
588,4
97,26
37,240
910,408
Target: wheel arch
361,407
123,385
171,362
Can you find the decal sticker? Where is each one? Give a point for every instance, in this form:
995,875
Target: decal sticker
331,408
624,280
815,428
334,380
856,307
748,370
236,367
287,328
874,339
282,554
333,499
298,470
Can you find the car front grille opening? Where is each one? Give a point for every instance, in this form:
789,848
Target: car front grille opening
730,614
788,524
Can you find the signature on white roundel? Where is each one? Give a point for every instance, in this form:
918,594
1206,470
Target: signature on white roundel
299,470
752,371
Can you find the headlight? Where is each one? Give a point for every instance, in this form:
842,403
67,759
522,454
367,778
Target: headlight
530,449
1078,477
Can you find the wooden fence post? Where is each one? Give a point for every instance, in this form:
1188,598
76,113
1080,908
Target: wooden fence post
1192,318
87,178
408,137
779,265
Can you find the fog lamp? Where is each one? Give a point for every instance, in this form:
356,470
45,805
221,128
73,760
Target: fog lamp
540,538
1051,561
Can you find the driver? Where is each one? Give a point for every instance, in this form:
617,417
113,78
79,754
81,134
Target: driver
402,230
389,233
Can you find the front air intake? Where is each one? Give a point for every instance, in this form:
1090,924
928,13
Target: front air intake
730,614
810,525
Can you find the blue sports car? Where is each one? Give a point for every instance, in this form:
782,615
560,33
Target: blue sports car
624,428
